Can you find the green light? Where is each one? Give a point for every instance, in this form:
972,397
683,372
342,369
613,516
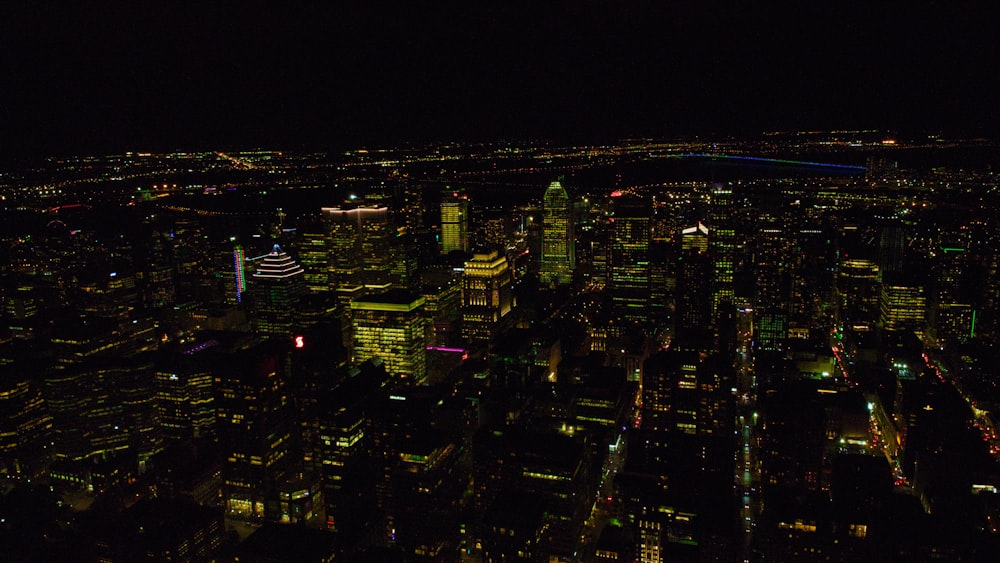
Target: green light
972,330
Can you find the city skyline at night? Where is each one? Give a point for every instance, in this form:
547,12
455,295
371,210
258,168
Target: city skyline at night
575,283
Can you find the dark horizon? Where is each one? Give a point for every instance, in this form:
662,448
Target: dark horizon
109,78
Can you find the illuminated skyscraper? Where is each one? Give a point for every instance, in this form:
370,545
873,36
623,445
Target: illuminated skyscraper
184,400
558,246
24,420
412,210
694,295
902,305
315,257
454,221
487,297
772,298
951,317
857,287
392,326
254,422
891,250
628,259
722,244
359,254
278,285
359,247
695,238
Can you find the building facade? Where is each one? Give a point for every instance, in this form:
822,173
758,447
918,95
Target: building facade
558,245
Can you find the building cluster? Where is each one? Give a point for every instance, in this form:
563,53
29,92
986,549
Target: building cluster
752,370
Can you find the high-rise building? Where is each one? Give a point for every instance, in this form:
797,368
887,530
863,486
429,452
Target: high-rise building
951,316
902,305
392,326
184,399
695,238
628,259
278,287
558,245
412,209
891,250
693,303
454,221
772,263
722,244
315,257
359,247
24,420
487,297
103,405
857,287
343,447
254,420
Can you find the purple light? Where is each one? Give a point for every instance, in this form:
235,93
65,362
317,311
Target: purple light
443,349
200,347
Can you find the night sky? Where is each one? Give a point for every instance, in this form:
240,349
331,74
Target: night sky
91,77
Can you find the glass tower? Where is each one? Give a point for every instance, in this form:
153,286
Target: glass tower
628,259
279,284
454,221
392,326
558,249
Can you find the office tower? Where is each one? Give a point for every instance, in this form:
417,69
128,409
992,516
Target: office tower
20,303
487,297
951,316
155,277
628,258
891,250
722,244
454,221
662,281
661,379
392,326
558,244
412,209
108,294
772,262
443,306
254,421
857,287
695,238
103,405
184,399
422,472
599,249
902,305
359,247
24,421
693,303
278,287
686,438
314,257
495,232
342,448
